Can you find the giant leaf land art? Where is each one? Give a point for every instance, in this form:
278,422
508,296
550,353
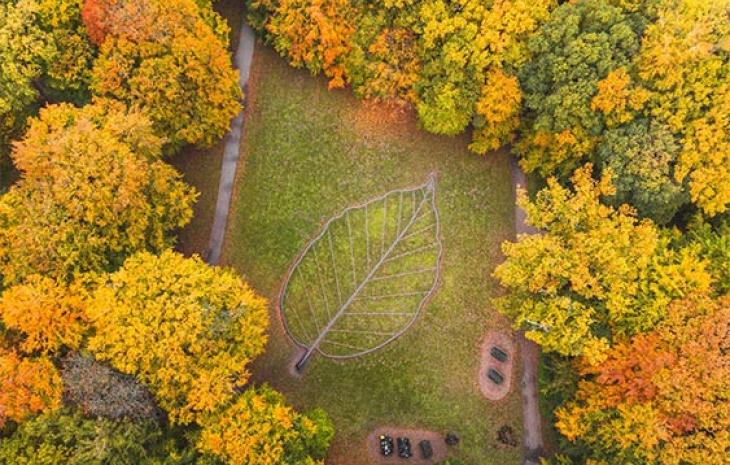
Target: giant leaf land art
362,281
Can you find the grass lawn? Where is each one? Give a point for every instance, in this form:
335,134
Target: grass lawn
308,153
201,168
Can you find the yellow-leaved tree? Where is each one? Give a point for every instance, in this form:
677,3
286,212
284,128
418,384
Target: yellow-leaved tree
93,190
470,53
183,328
46,56
260,429
24,48
705,157
597,271
164,57
497,112
503,35
685,62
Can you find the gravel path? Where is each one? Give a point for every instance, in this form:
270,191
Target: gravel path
242,61
529,351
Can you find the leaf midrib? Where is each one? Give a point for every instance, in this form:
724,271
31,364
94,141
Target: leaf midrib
315,345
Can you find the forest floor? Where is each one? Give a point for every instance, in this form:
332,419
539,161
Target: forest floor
8,174
307,154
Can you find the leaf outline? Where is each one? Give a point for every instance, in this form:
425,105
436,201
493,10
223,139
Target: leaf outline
428,200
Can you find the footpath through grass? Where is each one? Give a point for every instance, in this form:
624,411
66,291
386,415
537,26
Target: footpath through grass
308,153
201,168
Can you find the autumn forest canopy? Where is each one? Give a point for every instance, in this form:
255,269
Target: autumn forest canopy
114,348
619,110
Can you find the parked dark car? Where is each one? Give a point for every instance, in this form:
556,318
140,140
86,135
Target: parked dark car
498,353
495,376
404,448
386,445
426,449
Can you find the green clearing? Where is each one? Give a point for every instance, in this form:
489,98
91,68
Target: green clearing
308,154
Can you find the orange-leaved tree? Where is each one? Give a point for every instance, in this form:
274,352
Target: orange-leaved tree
313,33
183,328
49,315
384,64
660,397
27,386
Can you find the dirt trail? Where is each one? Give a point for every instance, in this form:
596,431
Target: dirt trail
529,351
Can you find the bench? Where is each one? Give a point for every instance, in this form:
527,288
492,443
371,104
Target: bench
498,354
495,376
426,449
